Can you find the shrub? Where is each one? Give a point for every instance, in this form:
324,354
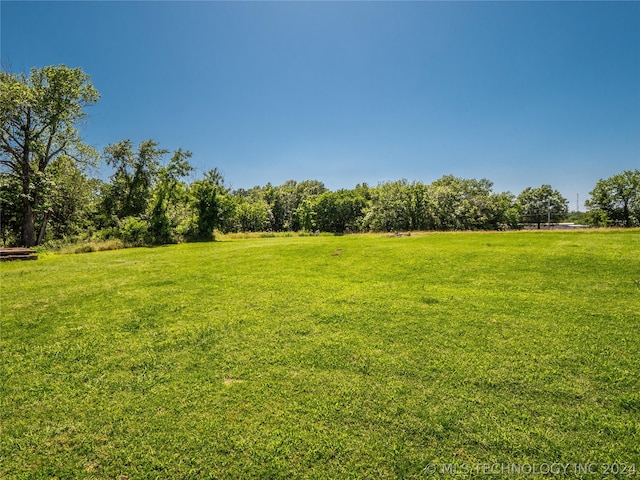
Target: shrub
134,231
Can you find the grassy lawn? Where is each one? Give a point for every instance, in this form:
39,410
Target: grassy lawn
362,356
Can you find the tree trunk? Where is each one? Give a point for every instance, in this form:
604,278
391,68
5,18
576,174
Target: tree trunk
43,228
28,227
28,222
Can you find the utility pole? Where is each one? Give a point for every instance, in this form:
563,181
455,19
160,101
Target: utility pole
549,214
577,202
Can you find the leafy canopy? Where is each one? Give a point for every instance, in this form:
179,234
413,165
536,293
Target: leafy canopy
39,119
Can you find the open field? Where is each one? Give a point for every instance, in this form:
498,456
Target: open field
362,356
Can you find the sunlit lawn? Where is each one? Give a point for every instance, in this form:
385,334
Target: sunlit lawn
362,356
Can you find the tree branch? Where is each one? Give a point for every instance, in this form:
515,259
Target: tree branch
48,156
13,166
45,159
12,138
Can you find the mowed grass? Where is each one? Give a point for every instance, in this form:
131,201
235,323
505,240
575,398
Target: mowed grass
362,356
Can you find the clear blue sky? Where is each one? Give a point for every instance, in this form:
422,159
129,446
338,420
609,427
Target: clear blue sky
348,92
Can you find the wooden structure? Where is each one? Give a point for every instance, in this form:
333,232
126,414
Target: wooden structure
8,254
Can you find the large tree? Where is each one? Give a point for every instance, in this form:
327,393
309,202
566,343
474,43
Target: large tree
616,200
39,119
542,204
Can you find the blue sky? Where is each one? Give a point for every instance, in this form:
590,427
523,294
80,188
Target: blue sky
521,93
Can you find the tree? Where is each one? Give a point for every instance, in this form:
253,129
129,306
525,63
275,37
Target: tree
212,204
470,204
284,200
339,211
69,199
39,118
505,212
167,197
129,192
10,213
616,200
542,204
390,207
251,216
308,188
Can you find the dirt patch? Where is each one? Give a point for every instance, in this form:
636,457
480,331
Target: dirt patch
229,381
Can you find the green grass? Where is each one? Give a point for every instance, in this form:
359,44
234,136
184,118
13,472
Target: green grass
362,356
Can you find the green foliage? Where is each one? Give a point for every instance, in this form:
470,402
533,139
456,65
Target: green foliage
616,200
576,217
133,231
539,205
283,202
10,209
92,246
251,216
504,212
339,212
169,194
144,189
70,199
360,356
130,190
39,117
598,218
464,204
50,198
306,214
389,208
449,203
212,204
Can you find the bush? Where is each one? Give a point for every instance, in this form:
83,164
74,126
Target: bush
107,233
134,231
598,218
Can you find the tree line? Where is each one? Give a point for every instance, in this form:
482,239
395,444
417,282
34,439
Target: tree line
47,194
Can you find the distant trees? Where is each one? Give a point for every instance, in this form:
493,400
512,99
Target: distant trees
70,200
39,116
542,204
338,212
130,190
616,200
148,200
212,205
45,193
170,195
469,204
250,216
390,207
449,203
